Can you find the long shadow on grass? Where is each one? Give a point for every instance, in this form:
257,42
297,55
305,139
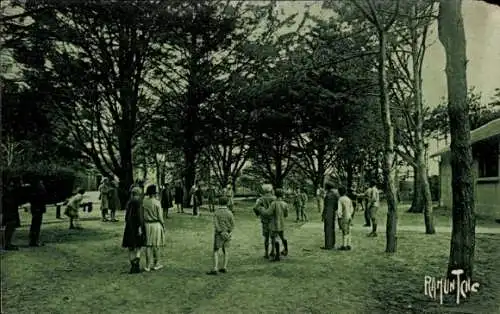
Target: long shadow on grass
57,234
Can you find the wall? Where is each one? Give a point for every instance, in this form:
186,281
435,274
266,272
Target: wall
486,193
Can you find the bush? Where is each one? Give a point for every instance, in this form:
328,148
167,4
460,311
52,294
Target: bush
59,181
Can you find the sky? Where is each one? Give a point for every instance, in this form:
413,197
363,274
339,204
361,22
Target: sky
482,31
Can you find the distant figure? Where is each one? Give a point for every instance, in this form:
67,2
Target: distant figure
166,199
373,204
211,198
154,227
103,196
344,215
229,193
198,198
278,211
38,208
320,197
329,216
113,200
303,202
223,228
179,196
72,209
262,205
299,202
195,200
10,211
134,236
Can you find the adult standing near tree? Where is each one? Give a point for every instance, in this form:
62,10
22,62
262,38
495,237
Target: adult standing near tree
103,197
194,199
113,200
320,197
10,211
166,199
179,196
38,203
229,193
211,198
329,215
373,196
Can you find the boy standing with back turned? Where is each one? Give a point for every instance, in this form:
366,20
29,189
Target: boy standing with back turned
223,228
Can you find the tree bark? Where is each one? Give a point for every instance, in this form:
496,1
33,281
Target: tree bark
424,187
452,36
425,191
189,173
126,176
417,198
389,153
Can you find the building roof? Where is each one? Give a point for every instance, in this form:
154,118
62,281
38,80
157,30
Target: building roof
484,132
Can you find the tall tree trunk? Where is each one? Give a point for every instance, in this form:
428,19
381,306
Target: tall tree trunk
126,176
350,176
189,173
417,198
321,168
278,174
389,154
425,190
452,36
424,187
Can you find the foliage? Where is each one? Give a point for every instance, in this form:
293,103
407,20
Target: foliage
480,113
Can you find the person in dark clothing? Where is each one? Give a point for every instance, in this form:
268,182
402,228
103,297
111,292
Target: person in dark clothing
211,198
179,195
134,234
166,199
329,215
10,212
38,208
196,199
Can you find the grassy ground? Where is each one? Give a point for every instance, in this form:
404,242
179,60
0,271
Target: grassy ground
86,272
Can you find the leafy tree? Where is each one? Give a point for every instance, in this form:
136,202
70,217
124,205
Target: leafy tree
219,43
94,58
410,44
437,121
342,80
380,16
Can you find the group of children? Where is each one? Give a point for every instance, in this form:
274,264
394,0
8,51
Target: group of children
145,227
110,199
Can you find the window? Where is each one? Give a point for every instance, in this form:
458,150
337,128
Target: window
487,157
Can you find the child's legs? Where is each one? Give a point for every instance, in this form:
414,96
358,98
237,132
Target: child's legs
156,254
225,251
71,224
303,212
283,240
297,211
131,254
148,256
216,258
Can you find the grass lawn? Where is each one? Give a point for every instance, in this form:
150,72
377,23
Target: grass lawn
86,271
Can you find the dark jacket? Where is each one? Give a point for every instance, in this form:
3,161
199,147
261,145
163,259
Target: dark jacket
166,198
38,199
330,204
